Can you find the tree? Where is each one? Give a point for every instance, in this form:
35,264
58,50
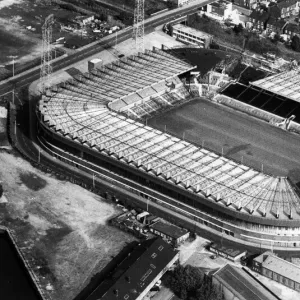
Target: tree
276,38
295,43
237,29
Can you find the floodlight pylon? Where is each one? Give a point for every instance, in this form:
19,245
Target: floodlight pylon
46,55
138,25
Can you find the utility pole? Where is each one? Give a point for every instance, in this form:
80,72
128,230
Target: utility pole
46,55
138,26
13,57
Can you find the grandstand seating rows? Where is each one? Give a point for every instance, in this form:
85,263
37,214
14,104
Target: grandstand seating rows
78,115
264,100
157,103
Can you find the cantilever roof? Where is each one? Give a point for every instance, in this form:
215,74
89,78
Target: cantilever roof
286,84
78,111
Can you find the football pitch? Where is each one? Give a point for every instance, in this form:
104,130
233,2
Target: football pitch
235,135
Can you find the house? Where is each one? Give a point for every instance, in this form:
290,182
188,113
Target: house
275,25
223,10
287,7
258,19
291,29
138,273
236,283
191,36
278,269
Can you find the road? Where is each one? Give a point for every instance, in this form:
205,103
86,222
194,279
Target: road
25,79
242,137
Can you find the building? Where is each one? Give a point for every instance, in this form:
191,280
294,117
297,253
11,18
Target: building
288,7
291,29
90,122
275,25
169,232
278,269
224,10
180,3
83,20
145,268
258,19
238,284
245,3
229,253
192,36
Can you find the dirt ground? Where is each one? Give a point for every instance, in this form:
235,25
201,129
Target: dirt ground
61,228
15,39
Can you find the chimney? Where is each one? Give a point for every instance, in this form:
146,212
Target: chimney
128,279
116,292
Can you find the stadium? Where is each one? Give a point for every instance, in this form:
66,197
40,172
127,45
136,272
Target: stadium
95,123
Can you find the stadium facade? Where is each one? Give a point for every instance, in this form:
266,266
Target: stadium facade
92,122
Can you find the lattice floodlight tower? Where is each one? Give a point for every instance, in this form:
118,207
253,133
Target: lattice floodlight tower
138,26
46,56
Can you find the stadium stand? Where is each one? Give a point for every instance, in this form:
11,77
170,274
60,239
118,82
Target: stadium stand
265,100
78,115
94,113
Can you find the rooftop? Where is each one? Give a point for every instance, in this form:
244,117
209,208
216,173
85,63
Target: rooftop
286,84
169,229
241,284
192,31
279,266
229,251
286,3
259,15
142,272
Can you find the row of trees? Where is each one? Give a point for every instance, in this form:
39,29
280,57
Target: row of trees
189,283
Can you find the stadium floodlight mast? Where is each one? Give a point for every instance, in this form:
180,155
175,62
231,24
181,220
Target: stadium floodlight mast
138,25
46,55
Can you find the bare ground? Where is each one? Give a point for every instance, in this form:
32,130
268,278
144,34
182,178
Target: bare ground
61,228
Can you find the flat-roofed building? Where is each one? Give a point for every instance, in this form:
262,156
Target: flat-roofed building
192,36
237,284
229,253
278,269
169,232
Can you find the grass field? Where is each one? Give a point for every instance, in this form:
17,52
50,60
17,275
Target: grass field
241,137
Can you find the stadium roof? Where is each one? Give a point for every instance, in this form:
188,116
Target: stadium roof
78,111
241,284
142,272
286,84
279,266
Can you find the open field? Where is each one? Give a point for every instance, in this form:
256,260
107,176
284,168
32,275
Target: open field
241,137
61,228
15,39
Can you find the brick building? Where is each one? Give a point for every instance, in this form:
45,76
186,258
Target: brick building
278,269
